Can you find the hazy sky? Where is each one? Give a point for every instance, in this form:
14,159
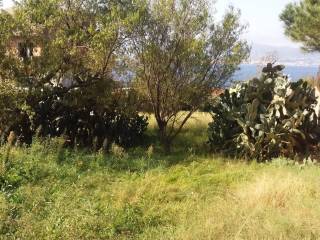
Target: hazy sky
263,19
261,15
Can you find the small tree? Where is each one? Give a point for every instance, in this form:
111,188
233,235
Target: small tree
302,23
180,54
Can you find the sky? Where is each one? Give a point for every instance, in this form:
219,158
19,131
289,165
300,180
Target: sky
262,16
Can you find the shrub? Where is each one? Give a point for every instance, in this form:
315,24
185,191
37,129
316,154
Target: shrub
12,114
83,121
90,124
265,118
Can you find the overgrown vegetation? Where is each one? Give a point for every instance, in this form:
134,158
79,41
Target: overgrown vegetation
82,69
50,192
266,118
59,62
80,159
181,54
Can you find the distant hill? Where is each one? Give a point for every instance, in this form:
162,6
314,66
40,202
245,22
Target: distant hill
285,55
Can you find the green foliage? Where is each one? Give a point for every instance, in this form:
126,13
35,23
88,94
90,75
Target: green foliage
13,116
180,55
151,196
266,118
89,124
69,88
67,56
301,23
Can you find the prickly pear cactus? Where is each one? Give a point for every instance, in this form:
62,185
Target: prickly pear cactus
265,118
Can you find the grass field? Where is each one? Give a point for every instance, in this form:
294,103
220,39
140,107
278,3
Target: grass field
51,193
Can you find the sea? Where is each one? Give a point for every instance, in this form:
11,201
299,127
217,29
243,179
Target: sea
248,71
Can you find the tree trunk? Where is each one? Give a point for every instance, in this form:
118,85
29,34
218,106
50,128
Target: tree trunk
164,139
166,146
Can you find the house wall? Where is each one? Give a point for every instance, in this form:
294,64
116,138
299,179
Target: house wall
15,45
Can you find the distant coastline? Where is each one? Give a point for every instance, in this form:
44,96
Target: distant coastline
295,72
288,56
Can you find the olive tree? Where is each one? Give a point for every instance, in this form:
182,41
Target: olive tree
180,54
301,22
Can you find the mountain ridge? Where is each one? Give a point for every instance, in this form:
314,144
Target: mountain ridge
283,54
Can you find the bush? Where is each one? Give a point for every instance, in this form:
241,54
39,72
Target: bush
266,118
12,114
83,121
90,125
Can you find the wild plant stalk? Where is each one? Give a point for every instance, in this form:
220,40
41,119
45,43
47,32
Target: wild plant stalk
6,159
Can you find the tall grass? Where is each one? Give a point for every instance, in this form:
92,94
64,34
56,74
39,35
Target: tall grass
52,193
276,204
193,136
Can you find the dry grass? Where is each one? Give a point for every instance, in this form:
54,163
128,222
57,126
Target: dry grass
193,136
276,204
198,120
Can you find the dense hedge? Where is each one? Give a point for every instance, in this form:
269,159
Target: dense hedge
89,124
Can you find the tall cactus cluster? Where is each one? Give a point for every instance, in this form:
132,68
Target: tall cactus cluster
266,117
